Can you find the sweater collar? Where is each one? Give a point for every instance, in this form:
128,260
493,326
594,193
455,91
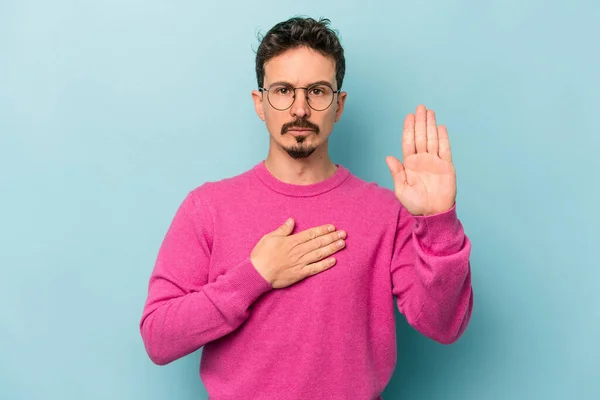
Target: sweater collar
288,189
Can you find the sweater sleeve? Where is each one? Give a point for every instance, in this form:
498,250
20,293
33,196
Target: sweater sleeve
183,311
431,276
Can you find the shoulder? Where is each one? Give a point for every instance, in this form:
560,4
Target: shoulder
211,192
373,193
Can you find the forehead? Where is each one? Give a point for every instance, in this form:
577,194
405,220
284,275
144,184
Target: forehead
300,66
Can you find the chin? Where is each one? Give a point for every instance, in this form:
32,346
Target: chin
300,155
299,152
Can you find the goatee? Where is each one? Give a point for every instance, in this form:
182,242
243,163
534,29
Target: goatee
300,150
297,152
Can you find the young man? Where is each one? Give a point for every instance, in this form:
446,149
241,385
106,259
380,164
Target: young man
305,309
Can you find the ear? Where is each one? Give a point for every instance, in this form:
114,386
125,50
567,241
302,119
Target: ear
257,97
341,100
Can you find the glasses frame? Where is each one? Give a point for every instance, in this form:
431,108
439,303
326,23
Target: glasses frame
264,89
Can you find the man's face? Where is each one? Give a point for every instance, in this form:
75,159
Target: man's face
299,130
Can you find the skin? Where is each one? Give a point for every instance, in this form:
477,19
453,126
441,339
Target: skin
425,183
299,67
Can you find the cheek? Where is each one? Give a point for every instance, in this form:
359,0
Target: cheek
274,121
327,120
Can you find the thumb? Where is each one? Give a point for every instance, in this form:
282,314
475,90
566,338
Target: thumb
286,228
397,170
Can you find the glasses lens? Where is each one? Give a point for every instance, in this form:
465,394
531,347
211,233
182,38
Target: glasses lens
319,97
281,97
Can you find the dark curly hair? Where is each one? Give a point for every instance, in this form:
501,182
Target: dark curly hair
299,32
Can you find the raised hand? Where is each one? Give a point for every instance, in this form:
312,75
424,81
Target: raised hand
426,183
284,260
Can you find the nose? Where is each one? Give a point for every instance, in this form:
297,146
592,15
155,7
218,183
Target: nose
300,108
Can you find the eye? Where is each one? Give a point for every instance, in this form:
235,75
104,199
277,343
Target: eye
282,90
319,91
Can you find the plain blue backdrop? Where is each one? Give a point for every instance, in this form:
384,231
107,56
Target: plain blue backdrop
111,111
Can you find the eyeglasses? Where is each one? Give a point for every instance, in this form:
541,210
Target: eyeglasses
319,96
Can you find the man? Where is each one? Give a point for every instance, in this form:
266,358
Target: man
305,309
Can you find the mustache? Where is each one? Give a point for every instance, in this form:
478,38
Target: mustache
299,123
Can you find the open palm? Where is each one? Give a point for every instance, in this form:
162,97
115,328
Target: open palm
426,183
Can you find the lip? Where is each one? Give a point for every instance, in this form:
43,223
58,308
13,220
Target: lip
299,131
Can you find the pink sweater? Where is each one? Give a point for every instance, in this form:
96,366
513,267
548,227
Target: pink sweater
329,336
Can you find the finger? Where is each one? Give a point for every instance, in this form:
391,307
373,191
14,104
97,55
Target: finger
421,129
312,233
444,144
286,228
315,268
323,252
408,136
432,133
321,241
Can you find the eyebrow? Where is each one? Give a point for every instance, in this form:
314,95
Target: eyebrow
309,85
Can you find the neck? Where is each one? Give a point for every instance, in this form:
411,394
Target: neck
303,171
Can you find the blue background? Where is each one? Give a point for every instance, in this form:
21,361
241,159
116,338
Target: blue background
111,111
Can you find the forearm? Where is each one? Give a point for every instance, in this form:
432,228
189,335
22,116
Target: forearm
447,296
175,324
439,301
